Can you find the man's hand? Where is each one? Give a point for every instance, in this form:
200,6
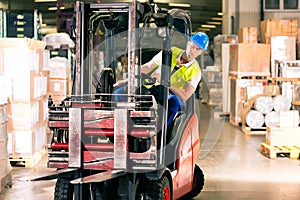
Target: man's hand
156,76
120,82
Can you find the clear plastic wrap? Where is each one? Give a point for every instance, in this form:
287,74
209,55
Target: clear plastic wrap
264,104
281,103
255,119
272,119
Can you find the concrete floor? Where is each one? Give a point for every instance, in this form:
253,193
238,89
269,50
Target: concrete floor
233,167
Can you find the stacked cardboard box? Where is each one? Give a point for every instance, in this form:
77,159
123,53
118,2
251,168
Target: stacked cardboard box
272,27
249,60
247,35
59,79
27,113
5,169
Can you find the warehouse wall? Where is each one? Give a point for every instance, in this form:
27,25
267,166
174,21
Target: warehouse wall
244,12
283,15
249,13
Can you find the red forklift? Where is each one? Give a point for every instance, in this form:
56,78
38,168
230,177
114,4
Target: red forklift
108,149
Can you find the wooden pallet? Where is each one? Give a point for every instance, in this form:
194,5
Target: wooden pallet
234,123
27,161
219,115
292,152
254,131
257,76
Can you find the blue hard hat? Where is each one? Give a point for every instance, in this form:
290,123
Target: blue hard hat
201,40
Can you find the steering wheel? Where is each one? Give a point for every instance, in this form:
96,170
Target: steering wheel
147,79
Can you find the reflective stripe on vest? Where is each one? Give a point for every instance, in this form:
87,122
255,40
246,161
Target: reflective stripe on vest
183,74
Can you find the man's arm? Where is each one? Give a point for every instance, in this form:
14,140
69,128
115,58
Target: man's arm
148,67
184,93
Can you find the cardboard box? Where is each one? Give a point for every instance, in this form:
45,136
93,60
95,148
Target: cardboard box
270,28
28,87
58,89
22,115
247,35
276,136
250,59
44,59
43,109
22,43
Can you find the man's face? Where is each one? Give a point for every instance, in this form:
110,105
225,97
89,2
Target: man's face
193,51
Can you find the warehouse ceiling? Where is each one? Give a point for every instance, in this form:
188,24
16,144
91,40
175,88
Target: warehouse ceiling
202,11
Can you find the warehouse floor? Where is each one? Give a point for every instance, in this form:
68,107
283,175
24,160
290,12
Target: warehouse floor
233,167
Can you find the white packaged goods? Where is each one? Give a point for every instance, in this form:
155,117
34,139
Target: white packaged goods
289,118
264,104
59,68
277,136
272,119
281,103
255,119
58,39
5,88
283,48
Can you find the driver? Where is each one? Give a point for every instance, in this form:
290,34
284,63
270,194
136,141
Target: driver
185,72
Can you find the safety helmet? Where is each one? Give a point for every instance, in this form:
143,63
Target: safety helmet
201,40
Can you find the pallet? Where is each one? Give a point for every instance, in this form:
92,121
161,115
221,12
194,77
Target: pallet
265,76
292,152
254,131
219,115
234,123
27,161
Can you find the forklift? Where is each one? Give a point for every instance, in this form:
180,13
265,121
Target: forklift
108,149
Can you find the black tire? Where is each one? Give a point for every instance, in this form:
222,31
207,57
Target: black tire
158,190
198,184
63,189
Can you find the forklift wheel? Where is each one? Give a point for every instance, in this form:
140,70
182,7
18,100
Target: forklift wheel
198,184
63,189
159,190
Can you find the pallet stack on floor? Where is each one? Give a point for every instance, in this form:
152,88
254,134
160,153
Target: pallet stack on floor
61,65
26,63
5,169
249,66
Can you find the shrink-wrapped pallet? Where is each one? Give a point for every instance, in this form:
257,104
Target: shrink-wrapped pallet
281,103
264,104
255,119
272,119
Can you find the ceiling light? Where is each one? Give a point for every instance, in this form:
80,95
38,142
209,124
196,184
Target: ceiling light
203,29
44,25
208,26
219,13
187,5
217,18
44,1
214,23
55,8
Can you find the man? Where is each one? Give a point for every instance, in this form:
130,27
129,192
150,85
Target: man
185,72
